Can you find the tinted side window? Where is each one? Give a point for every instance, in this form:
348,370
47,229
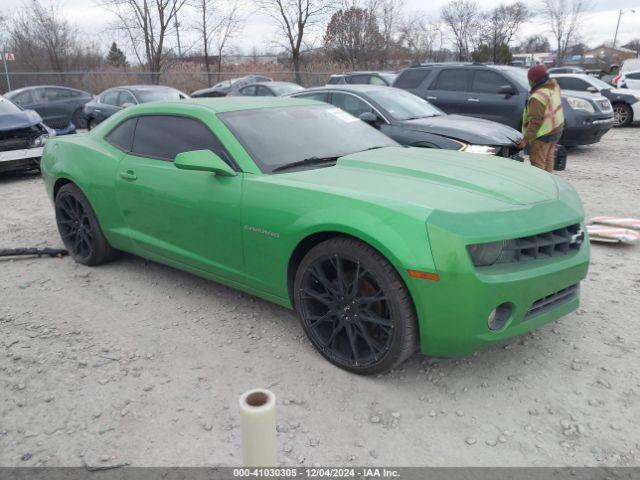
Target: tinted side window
125,97
58,94
165,136
263,91
250,90
110,98
23,98
333,80
567,83
122,136
485,81
351,104
358,79
411,78
633,76
454,80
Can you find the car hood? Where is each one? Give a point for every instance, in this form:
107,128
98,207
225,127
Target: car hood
429,178
468,129
23,119
625,91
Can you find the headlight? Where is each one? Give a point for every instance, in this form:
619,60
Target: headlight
39,141
485,254
580,104
483,149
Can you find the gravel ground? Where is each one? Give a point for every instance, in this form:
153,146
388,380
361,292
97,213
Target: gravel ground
136,363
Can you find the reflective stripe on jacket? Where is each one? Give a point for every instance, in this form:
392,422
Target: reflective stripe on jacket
549,96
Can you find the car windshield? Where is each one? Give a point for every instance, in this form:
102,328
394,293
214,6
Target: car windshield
285,89
596,82
157,94
275,137
6,107
403,105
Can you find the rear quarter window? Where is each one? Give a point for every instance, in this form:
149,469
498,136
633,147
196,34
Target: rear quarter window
122,136
411,78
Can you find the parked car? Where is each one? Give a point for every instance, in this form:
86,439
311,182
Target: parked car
266,89
57,106
625,102
630,79
499,93
566,70
223,88
115,99
412,121
363,78
22,136
381,249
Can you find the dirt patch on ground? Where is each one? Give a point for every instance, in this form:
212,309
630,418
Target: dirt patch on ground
134,362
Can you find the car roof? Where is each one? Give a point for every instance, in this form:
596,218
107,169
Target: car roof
350,88
33,87
584,76
231,104
269,84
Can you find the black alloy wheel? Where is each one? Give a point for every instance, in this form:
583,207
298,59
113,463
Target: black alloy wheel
79,228
622,114
354,307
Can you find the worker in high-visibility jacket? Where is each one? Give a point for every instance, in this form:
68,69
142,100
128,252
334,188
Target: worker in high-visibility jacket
543,119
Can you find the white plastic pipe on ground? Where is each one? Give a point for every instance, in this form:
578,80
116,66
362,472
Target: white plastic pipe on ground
258,428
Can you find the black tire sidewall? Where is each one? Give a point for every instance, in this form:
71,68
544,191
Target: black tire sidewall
404,338
101,251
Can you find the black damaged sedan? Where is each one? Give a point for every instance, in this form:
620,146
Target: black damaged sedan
410,120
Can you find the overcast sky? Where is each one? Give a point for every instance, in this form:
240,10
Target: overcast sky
260,33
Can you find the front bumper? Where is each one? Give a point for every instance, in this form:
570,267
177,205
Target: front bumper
22,159
453,311
586,130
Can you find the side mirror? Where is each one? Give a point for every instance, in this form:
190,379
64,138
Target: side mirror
592,89
369,117
203,161
507,90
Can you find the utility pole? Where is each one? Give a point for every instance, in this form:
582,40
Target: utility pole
622,12
6,69
177,24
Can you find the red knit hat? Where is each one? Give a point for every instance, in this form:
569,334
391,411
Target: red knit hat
537,73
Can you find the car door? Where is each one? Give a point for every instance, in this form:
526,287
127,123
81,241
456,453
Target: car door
183,216
632,80
249,91
262,91
486,101
351,103
24,100
449,90
126,99
39,104
59,106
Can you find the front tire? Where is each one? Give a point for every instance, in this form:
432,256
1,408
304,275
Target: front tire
354,307
79,228
622,114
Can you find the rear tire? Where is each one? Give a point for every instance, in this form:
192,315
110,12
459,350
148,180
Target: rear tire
622,114
79,228
354,307
79,119
91,123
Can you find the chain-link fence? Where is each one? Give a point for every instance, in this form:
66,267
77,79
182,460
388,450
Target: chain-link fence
186,81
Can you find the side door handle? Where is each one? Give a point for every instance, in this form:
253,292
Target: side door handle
128,175
429,97
472,100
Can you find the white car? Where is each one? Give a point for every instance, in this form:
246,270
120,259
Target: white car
629,79
625,101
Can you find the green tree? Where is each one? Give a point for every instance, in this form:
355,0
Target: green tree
116,57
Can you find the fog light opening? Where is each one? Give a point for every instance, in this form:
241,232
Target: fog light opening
499,316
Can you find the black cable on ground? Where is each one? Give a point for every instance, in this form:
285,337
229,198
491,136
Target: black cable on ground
15,252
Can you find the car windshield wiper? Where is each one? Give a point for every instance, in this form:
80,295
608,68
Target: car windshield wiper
306,161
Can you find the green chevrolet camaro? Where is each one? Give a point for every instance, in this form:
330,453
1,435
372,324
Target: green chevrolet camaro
380,249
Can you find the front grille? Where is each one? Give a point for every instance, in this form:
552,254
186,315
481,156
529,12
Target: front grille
19,138
604,105
555,243
551,301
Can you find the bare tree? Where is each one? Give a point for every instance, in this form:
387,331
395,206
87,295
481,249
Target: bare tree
421,38
463,18
147,25
534,44
564,18
218,22
633,45
389,14
43,39
353,37
500,25
295,20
